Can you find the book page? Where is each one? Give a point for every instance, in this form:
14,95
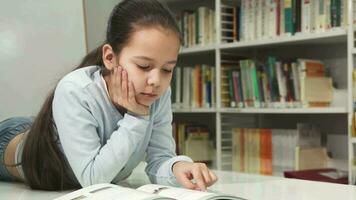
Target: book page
108,192
181,193
172,192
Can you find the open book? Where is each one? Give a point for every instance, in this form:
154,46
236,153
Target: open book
107,191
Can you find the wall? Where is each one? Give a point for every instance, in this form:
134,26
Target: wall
40,41
97,14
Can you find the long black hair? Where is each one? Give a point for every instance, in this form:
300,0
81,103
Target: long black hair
44,164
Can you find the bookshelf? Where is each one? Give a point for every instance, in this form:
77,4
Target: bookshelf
334,46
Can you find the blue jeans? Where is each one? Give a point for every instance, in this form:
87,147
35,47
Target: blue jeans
9,128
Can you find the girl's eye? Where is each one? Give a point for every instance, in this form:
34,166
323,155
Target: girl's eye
143,66
167,70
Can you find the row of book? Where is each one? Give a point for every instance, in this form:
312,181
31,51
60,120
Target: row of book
197,26
194,141
275,84
260,19
269,151
193,87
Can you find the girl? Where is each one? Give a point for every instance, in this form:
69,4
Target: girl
108,114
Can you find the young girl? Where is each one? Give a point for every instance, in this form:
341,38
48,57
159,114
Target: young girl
109,114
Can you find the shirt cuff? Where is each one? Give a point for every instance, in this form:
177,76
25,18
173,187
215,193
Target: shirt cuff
172,178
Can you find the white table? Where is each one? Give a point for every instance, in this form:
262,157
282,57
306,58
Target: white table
254,187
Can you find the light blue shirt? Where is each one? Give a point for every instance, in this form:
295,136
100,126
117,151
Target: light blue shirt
100,144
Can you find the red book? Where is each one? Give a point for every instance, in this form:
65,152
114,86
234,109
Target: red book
314,175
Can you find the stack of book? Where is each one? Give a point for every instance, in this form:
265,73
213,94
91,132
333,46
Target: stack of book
193,141
271,151
260,19
197,26
275,84
193,87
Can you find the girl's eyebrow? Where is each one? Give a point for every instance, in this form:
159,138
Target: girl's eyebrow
151,59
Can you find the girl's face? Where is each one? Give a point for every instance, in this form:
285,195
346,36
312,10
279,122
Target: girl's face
149,59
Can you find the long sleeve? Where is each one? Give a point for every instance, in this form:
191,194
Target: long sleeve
161,149
77,128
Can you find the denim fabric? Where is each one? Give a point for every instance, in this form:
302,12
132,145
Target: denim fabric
9,128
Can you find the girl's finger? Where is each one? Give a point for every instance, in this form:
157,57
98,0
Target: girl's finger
213,176
124,86
131,93
206,176
118,76
183,179
199,179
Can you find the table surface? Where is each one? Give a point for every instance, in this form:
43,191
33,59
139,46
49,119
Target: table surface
243,185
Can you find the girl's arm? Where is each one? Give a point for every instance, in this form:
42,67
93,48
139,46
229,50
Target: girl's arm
161,149
77,130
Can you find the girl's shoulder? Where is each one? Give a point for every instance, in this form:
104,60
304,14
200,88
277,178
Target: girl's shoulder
80,77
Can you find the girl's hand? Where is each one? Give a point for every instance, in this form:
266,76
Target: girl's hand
185,172
122,92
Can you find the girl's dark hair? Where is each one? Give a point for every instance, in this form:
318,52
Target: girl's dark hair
44,164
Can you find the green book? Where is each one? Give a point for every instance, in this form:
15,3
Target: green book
255,87
288,17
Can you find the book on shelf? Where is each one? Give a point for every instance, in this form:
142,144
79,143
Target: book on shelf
193,141
310,157
275,84
269,151
106,191
260,19
197,26
193,87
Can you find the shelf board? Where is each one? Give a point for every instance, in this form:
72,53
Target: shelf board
330,110
354,51
194,110
331,36
197,49
353,140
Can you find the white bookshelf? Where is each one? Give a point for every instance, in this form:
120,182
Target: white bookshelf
195,110
333,35
329,110
335,47
197,49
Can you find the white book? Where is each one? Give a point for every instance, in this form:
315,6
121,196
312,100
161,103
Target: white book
276,149
206,26
193,90
354,12
322,15
259,19
281,83
255,19
296,81
318,9
243,29
306,26
212,26
178,83
263,18
251,20
185,29
105,191
313,15
272,16
201,23
344,15
327,5
186,87
212,71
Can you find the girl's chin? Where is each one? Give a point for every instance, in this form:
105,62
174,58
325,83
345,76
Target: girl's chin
145,102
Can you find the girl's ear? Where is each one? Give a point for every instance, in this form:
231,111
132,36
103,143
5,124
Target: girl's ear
109,57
